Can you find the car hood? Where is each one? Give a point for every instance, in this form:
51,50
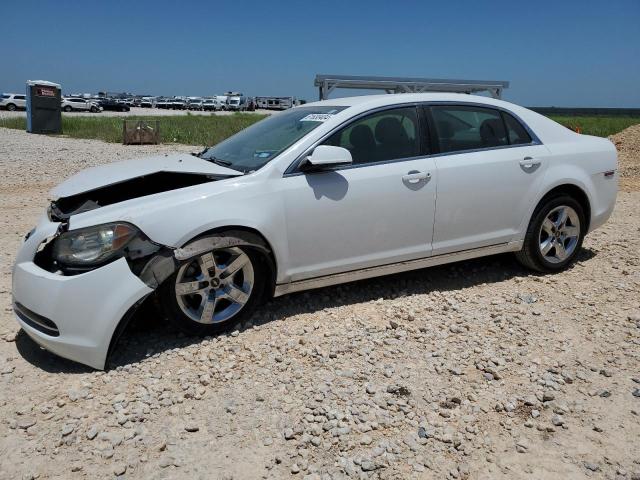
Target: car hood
119,172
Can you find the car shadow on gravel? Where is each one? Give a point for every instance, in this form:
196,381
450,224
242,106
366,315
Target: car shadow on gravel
45,360
148,334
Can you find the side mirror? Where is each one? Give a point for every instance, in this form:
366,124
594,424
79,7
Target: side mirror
324,157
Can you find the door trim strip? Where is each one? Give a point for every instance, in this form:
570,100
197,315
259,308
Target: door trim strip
371,272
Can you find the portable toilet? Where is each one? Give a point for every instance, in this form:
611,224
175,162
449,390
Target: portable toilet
44,110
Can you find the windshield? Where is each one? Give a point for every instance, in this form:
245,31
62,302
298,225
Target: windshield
257,145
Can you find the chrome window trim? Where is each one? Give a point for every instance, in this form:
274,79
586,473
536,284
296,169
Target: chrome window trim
292,169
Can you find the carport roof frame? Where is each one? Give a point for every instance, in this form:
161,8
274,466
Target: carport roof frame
327,83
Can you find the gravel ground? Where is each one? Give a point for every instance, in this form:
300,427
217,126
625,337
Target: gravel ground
474,370
137,111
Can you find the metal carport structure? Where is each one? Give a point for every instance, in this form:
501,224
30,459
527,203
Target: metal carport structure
327,83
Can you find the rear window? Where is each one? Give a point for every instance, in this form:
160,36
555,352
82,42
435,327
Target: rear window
6,96
463,128
518,135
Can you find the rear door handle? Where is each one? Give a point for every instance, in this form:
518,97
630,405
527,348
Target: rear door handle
414,176
529,162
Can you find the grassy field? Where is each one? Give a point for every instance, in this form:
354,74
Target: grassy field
186,129
211,129
596,125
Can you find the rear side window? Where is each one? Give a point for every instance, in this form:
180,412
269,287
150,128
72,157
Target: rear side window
462,128
516,132
387,135
20,97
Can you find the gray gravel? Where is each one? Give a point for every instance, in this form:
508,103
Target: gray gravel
473,370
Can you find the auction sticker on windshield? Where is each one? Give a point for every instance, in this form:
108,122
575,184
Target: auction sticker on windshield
316,117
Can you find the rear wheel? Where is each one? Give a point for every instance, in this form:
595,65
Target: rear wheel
11,107
67,108
213,291
554,236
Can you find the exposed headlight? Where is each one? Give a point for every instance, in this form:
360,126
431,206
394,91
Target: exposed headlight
93,245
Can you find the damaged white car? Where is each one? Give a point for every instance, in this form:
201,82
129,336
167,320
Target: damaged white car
321,194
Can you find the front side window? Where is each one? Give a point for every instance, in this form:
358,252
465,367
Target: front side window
20,97
462,128
386,135
257,145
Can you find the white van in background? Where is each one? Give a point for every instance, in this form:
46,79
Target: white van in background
235,103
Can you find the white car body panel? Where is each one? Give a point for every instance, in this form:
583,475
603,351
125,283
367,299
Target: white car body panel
483,196
320,208
323,228
117,172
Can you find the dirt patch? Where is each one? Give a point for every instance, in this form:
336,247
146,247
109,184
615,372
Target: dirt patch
628,144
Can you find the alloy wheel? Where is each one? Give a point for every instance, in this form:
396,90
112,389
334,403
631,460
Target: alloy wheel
215,286
559,234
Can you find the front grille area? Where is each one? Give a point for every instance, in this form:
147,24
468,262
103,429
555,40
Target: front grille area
40,323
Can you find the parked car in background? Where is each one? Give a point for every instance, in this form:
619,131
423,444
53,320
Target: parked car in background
148,102
80,104
162,103
13,101
113,105
211,105
194,105
322,194
178,104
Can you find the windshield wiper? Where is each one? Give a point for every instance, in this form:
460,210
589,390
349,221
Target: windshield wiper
200,153
219,161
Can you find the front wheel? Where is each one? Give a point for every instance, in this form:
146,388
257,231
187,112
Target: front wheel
554,236
94,109
67,108
213,291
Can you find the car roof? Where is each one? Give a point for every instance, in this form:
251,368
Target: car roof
392,99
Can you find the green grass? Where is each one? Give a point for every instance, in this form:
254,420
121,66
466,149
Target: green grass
185,129
596,125
212,129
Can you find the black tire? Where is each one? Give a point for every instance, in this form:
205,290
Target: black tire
531,255
94,110
168,302
67,108
11,107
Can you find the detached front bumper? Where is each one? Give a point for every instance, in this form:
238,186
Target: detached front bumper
72,316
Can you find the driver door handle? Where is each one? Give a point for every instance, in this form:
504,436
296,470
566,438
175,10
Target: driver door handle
415,177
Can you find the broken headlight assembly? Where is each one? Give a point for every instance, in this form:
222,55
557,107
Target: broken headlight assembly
93,245
76,251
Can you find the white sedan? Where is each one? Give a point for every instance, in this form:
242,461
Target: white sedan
321,194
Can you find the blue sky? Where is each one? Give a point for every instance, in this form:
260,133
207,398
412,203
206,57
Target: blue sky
562,53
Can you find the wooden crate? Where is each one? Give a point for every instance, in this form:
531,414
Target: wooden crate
140,132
